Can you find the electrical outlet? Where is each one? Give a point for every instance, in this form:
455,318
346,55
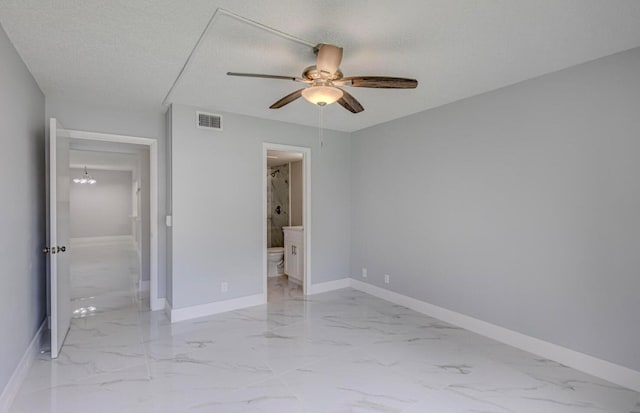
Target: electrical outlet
224,287
386,278
364,273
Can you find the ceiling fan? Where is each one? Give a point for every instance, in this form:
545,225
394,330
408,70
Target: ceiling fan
325,78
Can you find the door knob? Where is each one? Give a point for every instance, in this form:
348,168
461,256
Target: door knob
62,249
45,250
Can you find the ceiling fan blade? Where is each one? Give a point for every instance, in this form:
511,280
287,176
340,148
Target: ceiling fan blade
350,103
287,99
295,79
328,59
380,82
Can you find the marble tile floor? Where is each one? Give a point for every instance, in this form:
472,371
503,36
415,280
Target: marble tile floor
342,351
280,288
105,278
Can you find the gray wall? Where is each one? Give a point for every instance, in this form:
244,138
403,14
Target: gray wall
519,207
22,213
102,209
218,220
296,175
122,120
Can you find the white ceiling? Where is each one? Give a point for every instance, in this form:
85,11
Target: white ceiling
103,161
130,51
277,158
110,156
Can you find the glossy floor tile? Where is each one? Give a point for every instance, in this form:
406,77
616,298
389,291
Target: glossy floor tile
343,351
280,288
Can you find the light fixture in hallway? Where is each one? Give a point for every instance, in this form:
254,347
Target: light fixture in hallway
85,178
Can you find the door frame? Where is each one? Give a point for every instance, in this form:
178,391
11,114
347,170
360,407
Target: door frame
155,302
306,210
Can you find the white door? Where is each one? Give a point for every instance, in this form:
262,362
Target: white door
59,229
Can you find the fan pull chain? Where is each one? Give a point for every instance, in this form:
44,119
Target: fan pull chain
321,129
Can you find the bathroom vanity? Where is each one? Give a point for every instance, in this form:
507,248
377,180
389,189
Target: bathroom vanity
294,253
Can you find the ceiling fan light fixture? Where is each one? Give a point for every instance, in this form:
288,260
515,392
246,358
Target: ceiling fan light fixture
322,95
323,77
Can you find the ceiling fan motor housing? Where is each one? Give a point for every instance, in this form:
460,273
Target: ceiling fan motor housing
312,73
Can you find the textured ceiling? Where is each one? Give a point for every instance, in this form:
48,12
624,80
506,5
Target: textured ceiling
129,52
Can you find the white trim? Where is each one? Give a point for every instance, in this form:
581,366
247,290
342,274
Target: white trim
167,308
306,209
306,217
330,286
106,240
202,310
614,373
106,137
22,369
265,243
156,303
144,285
289,188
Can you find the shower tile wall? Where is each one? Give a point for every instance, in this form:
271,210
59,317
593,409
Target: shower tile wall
277,204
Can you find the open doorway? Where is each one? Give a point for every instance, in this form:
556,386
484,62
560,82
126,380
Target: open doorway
58,223
286,229
109,227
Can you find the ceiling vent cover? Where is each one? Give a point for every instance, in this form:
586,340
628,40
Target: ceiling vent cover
209,121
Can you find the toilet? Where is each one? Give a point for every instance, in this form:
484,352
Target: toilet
275,261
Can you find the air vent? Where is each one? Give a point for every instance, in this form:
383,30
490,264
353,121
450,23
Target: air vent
209,121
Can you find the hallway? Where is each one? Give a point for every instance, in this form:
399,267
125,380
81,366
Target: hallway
105,278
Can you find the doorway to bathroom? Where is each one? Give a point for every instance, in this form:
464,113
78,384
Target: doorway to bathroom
286,217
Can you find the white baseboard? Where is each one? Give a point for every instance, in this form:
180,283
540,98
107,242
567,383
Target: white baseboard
107,240
144,285
329,286
611,372
157,304
187,313
20,373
